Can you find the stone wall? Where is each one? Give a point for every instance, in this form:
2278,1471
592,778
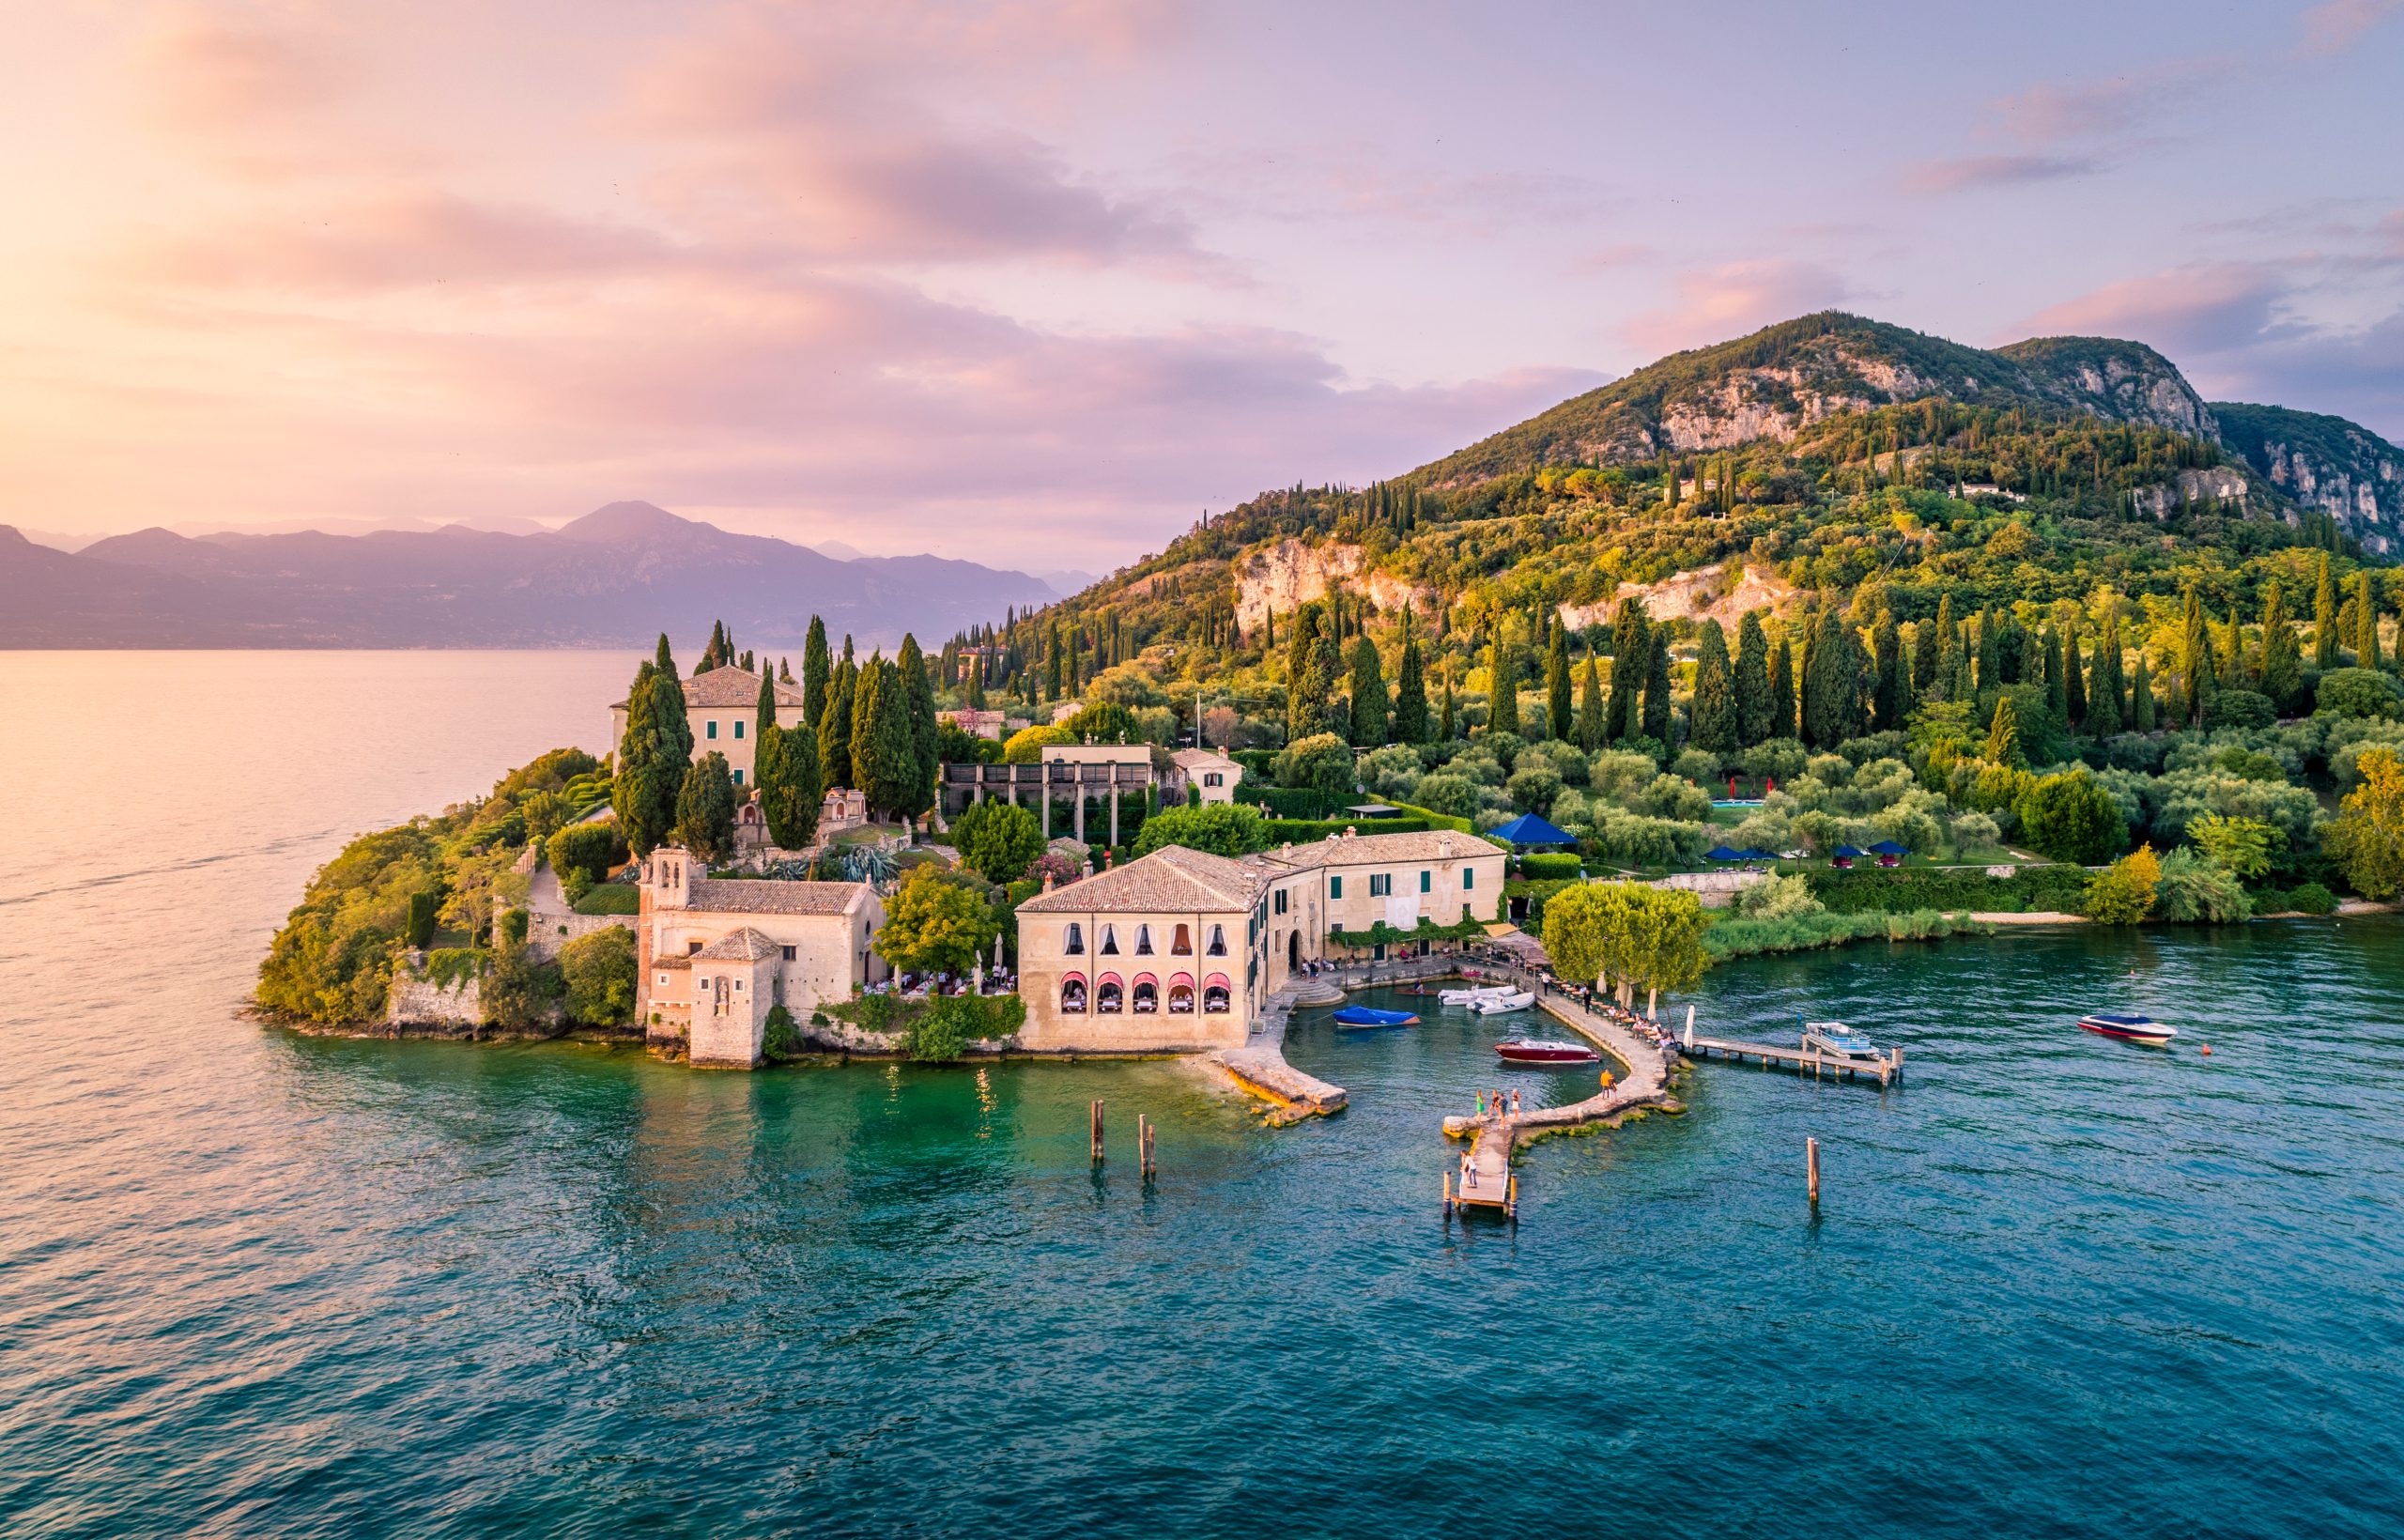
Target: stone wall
1717,890
422,1002
547,933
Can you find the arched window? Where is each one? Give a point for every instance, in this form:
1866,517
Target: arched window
1181,943
1143,941
1148,997
1215,994
1076,947
1110,941
1073,995
1110,999
1180,995
1218,941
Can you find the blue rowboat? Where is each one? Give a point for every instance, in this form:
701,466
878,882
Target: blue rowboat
1364,1016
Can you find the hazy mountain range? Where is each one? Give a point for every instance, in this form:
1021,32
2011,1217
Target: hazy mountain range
616,577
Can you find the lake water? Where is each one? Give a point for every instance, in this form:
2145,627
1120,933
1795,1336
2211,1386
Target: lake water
255,1284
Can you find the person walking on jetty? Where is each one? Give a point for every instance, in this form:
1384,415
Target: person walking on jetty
1469,1171
1514,1101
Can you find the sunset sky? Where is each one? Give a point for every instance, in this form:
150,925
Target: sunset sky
1034,285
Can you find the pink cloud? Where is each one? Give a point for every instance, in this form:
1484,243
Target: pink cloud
2203,307
1728,302
1972,172
804,139
2339,25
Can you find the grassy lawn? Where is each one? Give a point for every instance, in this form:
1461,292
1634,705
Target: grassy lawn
609,899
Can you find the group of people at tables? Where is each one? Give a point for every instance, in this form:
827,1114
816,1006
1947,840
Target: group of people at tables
918,986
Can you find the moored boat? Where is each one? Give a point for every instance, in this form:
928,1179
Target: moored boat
1360,1016
2128,1026
1495,1005
1470,994
1539,1050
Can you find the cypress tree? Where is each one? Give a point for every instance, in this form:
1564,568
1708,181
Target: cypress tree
2195,661
1444,723
2073,683
784,775
1924,658
1781,690
1832,671
1890,696
767,719
1370,721
1327,665
884,761
2003,736
1590,724
1963,687
926,738
2141,708
1631,660
705,809
974,697
1712,718
2324,619
815,669
784,671
1305,686
1502,695
835,727
1410,693
1656,690
1939,643
1989,634
1556,682
748,664
2111,682
2365,621
2282,662
2056,685
653,756
1752,681
1806,680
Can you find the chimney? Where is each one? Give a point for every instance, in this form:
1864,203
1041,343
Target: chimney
1047,882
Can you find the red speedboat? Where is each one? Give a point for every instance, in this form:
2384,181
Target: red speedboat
1528,1051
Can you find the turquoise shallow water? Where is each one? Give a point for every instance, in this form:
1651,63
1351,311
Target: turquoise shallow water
252,1283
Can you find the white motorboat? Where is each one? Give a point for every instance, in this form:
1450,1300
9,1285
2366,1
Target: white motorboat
1470,994
1495,1005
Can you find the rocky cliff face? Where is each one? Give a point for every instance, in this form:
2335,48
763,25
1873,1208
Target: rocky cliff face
1786,377
1281,579
2340,468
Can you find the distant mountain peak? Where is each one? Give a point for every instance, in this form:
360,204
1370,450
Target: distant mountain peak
634,520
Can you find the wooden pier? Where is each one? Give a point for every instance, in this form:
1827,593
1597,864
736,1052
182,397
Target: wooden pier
1811,1061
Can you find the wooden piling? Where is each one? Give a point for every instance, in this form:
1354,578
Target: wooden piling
1812,1168
1097,1133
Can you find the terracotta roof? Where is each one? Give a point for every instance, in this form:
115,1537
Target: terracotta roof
733,895
1169,880
728,688
1373,849
1192,758
682,960
744,945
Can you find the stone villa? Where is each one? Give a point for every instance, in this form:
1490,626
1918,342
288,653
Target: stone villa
1210,772
715,955
723,706
1175,951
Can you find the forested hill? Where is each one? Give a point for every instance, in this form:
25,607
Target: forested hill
1786,377
2340,468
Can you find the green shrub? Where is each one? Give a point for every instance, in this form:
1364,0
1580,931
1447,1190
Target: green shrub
1733,937
1551,864
2311,898
520,991
782,1038
599,972
451,967
2060,889
1295,801
590,851
514,926
421,908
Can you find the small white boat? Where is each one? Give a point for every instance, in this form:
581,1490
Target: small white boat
1470,994
1837,1039
2129,1027
1495,1005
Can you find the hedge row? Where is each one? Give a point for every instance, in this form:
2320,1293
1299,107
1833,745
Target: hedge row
1541,865
1295,801
2060,889
1304,830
